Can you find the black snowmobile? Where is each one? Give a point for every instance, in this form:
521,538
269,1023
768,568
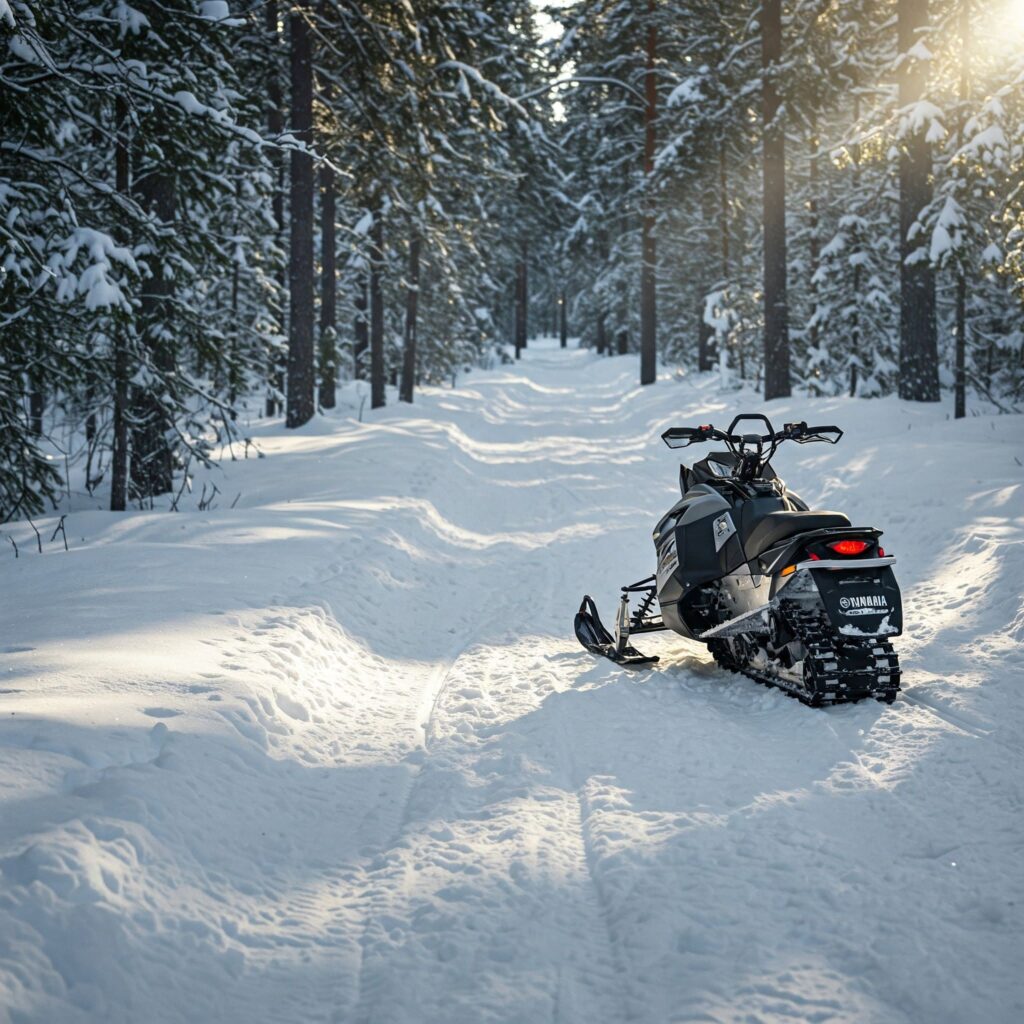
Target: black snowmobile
791,597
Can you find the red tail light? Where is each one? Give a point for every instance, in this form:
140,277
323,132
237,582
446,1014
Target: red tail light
881,551
849,547
813,557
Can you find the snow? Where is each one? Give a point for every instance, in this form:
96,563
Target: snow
947,234
919,51
922,116
21,48
94,281
188,102
687,91
365,223
131,21
334,754
214,10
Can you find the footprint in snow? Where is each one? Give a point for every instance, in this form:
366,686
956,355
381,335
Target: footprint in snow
161,712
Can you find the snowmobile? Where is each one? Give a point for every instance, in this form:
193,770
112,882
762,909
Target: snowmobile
791,597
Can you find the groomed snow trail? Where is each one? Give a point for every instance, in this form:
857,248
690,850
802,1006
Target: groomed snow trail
334,755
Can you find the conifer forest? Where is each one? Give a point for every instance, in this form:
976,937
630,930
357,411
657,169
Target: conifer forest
211,207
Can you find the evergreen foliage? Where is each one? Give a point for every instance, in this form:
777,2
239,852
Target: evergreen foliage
180,251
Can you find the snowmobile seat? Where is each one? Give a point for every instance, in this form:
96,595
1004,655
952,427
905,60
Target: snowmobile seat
777,526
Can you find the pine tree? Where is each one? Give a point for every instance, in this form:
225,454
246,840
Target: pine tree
919,365
301,377
776,313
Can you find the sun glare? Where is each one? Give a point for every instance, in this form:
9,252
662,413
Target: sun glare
1008,22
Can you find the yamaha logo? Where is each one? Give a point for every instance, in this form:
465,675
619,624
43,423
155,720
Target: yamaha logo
867,601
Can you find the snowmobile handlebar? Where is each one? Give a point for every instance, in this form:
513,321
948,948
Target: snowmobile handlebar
683,437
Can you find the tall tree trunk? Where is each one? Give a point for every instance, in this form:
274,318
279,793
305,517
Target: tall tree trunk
855,352
705,335
301,374
36,393
412,297
602,335
275,126
90,425
960,387
361,329
813,241
152,463
960,391
776,313
525,323
722,333
235,369
152,402
919,358
36,408
648,298
622,342
328,291
723,211
517,292
522,298
563,320
705,332
119,454
378,394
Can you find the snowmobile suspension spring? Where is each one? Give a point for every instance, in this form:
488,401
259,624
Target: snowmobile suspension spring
645,604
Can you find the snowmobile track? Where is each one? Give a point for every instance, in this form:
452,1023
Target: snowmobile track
955,721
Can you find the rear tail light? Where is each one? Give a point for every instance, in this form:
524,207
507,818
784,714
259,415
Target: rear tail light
849,547
881,551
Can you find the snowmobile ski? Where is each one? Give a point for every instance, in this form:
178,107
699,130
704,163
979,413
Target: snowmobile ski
592,634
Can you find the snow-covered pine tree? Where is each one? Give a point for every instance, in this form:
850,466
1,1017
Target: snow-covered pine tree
127,141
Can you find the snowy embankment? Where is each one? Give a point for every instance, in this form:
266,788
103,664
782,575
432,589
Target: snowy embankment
334,754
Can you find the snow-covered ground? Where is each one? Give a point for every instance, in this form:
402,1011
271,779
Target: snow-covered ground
334,754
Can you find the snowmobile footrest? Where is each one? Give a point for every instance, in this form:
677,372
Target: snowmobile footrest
591,633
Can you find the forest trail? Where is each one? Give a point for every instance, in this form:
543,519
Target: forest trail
333,754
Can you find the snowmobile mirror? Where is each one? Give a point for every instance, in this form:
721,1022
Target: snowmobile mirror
682,437
830,434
